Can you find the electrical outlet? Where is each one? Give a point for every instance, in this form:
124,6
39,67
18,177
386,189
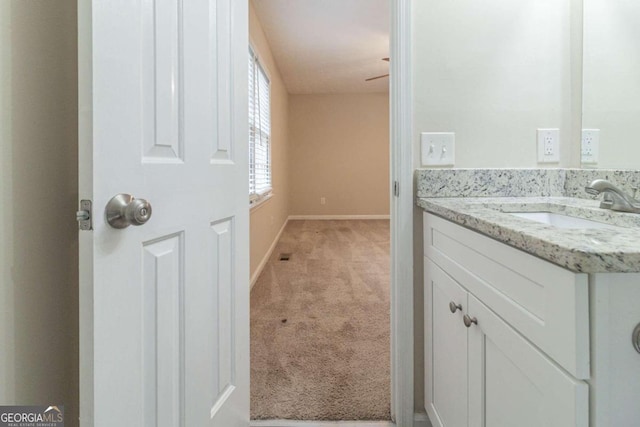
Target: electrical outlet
323,200
438,148
590,146
548,145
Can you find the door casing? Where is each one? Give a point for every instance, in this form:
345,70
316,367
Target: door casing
402,281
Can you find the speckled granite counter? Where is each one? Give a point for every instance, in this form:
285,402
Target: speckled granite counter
612,249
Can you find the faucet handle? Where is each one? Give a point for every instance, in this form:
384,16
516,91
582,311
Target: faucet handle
607,201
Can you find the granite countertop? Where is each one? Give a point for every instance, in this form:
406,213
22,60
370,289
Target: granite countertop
612,249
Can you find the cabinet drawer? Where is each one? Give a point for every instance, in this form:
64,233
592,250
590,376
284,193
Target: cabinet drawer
545,303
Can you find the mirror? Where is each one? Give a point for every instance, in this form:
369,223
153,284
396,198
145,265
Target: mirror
611,84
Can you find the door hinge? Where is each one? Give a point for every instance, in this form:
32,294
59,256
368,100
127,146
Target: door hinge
396,188
84,216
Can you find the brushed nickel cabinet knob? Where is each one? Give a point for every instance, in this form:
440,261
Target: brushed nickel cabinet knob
454,307
468,321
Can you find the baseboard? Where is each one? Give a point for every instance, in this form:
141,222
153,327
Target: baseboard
420,419
337,217
294,423
265,259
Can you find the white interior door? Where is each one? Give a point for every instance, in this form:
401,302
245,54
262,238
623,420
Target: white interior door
164,306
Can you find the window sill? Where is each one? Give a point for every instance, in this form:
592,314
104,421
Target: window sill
259,202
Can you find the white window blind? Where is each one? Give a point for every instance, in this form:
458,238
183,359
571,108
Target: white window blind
259,130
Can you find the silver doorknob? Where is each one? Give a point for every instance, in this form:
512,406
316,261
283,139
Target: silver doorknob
124,210
454,307
468,321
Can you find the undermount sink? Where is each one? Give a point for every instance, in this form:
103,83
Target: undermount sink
560,220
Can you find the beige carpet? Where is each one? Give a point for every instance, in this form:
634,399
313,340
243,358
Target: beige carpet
320,324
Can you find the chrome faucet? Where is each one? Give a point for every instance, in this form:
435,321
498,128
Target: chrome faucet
612,197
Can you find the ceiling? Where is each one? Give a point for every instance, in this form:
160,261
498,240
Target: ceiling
328,46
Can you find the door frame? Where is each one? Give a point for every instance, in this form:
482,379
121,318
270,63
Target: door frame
401,222
401,152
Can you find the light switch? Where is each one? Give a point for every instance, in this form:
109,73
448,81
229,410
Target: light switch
437,148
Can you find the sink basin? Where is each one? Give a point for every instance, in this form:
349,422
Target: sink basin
560,220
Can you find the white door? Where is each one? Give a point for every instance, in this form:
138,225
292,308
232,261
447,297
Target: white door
164,306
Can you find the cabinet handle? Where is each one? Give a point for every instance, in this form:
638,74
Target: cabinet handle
469,320
454,307
635,338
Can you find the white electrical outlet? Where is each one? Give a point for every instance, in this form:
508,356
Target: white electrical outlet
323,200
590,146
438,148
548,145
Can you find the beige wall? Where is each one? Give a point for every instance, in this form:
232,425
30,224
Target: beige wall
269,217
38,192
339,151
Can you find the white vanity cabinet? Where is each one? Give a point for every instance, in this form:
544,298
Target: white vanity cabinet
506,334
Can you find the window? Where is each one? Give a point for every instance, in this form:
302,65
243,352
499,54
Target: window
259,131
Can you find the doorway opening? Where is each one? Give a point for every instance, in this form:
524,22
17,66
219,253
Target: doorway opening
320,317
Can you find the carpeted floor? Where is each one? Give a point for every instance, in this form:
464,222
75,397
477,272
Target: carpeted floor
320,324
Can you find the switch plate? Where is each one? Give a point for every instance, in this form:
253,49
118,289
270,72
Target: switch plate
548,145
590,146
438,148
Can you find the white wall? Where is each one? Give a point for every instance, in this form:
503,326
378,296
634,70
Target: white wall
493,72
612,79
38,193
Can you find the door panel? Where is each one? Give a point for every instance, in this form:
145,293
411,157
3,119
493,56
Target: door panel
222,37
162,82
224,319
512,383
506,382
164,306
446,371
163,334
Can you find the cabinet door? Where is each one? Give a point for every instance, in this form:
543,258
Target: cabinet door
445,349
511,383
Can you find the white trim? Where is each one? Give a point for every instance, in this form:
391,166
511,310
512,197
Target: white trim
265,259
258,66
295,423
260,57
421,419
85,191
401,137
336,217
253,206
